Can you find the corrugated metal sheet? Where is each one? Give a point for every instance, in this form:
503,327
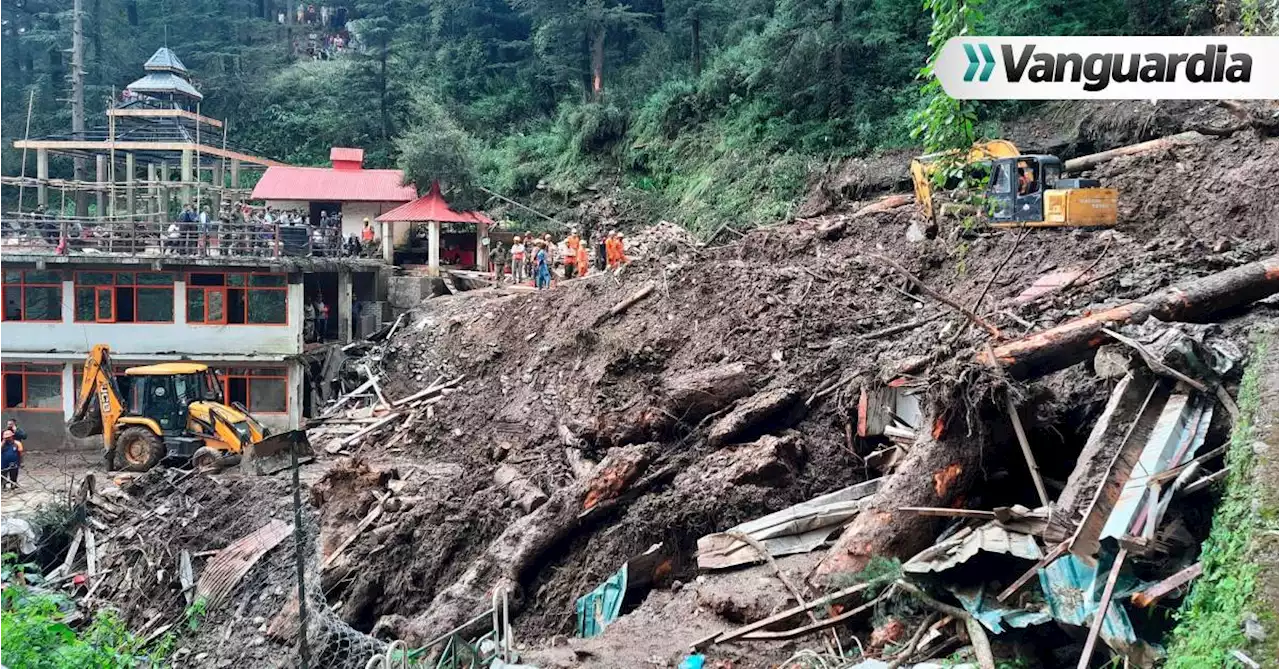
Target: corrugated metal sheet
323,184
430,207
164,82
164,59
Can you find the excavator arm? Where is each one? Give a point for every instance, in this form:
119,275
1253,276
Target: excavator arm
99,405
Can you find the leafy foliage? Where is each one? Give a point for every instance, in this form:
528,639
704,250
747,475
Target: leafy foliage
1209,621
706,112
35,636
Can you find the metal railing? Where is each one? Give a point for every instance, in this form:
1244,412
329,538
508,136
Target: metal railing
44,235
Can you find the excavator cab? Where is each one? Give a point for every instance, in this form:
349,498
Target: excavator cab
1029,191
174,411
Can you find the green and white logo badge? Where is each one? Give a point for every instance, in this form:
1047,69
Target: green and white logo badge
1116,68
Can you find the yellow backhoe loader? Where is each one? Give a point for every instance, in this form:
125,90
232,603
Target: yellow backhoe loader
1023,190
174,411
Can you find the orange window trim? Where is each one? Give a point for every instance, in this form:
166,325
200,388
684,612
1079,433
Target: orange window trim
115,308
248,392
22,298
246,287
24,374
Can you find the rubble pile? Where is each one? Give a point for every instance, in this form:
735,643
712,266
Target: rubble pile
820,438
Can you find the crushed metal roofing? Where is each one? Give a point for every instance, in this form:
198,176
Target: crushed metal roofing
164,82
325,184
164,59
430,207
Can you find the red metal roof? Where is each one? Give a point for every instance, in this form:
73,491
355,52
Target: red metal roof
325,184
432,207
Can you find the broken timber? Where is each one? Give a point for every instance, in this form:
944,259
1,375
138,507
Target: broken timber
1067,344
624,305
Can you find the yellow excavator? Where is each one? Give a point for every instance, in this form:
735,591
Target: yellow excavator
174,411
1023,190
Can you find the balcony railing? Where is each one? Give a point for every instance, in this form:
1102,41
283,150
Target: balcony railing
37,235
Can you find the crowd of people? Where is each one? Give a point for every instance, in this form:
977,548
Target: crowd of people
543,260
242,229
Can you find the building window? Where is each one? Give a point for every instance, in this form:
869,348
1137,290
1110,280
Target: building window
124,297
218,298
35,387
32,295
258,389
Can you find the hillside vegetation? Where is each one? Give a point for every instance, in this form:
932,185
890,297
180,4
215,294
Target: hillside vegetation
704,111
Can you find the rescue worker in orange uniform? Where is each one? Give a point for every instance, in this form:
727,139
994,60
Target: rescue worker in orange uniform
571,243
583,262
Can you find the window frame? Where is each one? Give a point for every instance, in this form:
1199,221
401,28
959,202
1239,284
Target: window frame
22,285
115,284
21,369
225,288
248,375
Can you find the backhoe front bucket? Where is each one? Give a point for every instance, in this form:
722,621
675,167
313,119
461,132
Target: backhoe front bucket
274,453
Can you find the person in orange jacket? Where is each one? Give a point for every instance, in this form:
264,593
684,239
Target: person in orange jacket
571,243
583,264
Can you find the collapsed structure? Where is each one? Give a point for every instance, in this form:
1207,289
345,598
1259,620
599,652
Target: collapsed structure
657,475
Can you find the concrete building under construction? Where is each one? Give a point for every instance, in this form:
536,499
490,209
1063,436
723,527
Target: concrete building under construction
127,277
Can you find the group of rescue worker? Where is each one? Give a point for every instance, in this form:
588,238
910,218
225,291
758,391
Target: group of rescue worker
543,259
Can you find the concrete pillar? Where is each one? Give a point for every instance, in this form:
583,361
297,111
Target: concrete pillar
235,174
180,300
219,188
188,175
388,242
131,200
482,251
153,193
42,175
296,389
69,390
101,177
165,178
345,298
433,248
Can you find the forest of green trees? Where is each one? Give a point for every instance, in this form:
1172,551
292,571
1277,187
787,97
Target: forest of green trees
707,111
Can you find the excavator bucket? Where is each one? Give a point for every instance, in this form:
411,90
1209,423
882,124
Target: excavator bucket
275,453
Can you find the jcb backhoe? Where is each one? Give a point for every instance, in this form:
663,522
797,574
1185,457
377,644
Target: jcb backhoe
1023,190
173,411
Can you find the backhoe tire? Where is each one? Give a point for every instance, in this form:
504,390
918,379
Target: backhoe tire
138,449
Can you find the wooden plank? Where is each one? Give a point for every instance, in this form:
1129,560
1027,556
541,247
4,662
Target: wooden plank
944,512
1153,594
765,622
1101,615
165,113
77,145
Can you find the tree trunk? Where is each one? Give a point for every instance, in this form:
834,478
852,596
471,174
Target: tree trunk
597,64
382,90
77,100
523,544
697,46
1094,159
1072,342
937,472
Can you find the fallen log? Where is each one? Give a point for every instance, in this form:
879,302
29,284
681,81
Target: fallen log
502,563
519,488
836,228
685,398
624,305
1067,344
1094,159
753,415
936,472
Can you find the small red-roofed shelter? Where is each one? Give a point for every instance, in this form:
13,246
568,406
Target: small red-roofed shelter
345,187
433,210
